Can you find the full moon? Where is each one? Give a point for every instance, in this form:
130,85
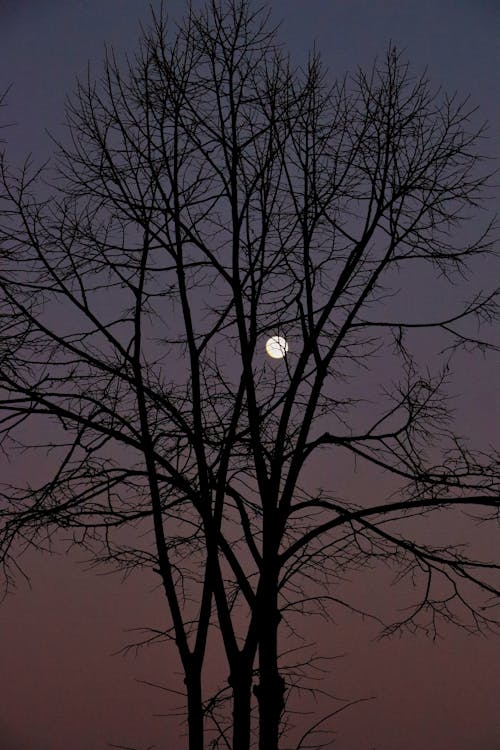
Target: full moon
276,347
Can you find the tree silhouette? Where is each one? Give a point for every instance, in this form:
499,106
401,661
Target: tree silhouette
210,196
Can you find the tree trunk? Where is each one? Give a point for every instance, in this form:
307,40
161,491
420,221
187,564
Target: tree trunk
241,684
270,691
195,710
270,694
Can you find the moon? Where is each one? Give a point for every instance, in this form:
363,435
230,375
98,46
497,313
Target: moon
276,347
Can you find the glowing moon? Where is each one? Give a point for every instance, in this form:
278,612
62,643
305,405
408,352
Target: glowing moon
276,347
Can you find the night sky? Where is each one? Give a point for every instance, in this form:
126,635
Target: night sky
63,687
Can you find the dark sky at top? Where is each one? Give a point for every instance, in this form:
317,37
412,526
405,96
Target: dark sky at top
62,689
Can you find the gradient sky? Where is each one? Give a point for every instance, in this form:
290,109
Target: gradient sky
62,689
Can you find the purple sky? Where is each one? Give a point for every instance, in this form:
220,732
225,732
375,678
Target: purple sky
62,689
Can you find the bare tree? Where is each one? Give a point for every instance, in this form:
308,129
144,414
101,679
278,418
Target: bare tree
209,197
